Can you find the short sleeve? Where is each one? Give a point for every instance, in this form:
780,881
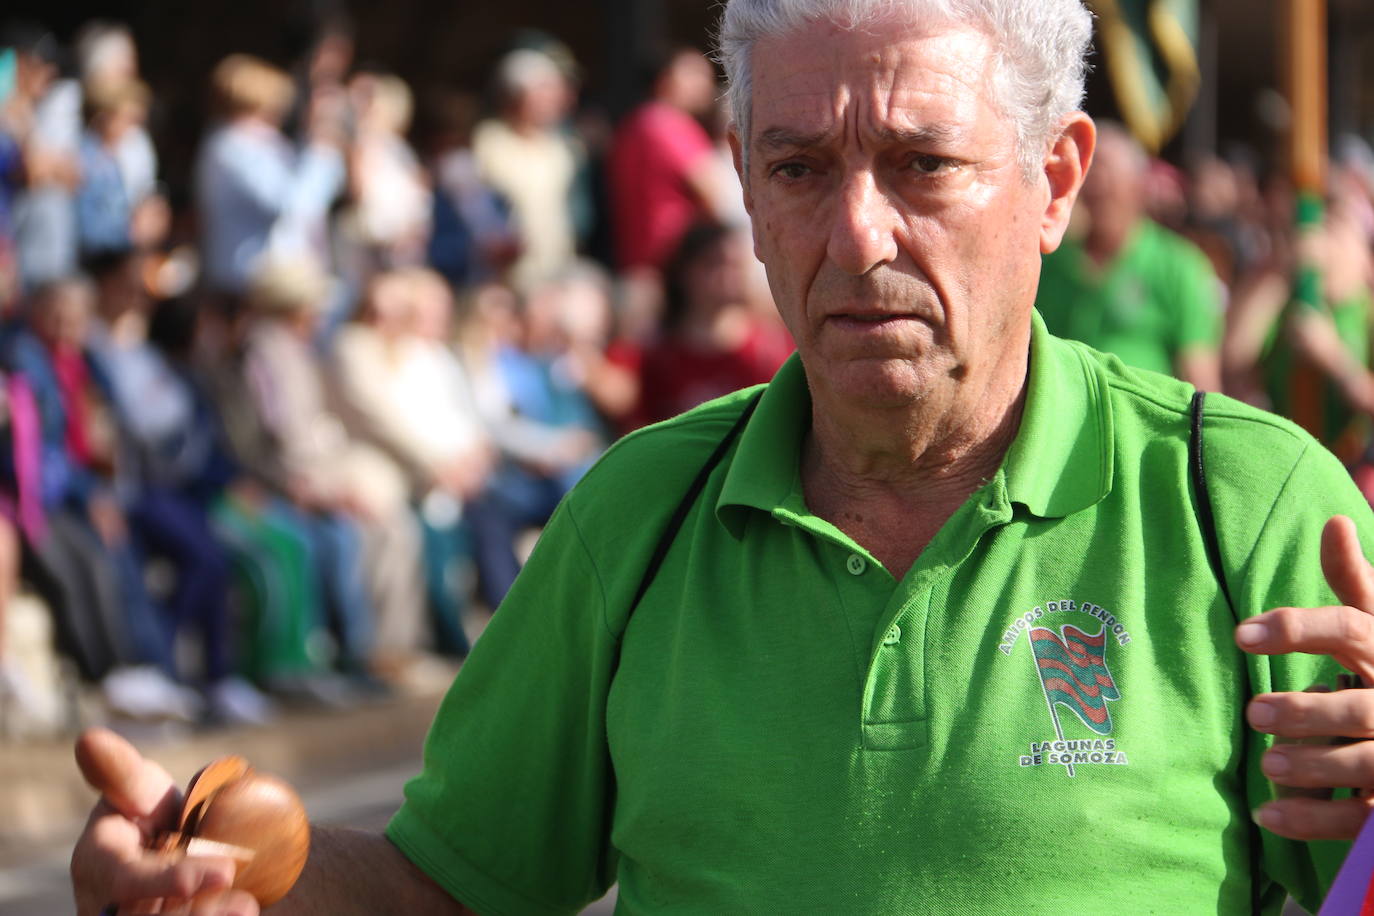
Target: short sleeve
511,811
1283,568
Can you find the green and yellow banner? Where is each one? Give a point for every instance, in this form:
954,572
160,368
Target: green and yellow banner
1149,48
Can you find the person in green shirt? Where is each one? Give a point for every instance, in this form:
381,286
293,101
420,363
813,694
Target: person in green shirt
1129,286
940,626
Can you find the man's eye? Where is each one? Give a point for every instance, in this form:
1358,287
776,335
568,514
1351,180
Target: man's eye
791,170
931,165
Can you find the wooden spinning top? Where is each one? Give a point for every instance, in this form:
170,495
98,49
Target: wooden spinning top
256,819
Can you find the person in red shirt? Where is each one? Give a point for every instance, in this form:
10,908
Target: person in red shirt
661,170
714,341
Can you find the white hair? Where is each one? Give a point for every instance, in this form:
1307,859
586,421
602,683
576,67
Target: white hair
1039,48
522,69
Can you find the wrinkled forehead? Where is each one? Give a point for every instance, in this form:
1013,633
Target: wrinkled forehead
821,75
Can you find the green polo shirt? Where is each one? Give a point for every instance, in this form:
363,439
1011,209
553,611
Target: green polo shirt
1156,299
1043,715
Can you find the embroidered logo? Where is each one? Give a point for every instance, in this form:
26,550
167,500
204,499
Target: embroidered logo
1071,667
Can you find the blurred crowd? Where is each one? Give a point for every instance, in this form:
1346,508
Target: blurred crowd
278,443
274,446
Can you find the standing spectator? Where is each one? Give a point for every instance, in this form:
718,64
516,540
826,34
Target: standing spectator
713,341
524,155
472,239
258,195
107,57
44,115
663,174
391,196
1130,286
104,206
107,60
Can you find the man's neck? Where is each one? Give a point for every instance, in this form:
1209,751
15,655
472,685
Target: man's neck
890,479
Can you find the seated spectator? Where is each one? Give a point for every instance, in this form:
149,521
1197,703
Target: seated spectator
545,427
82,557
713,340
405,392
166,495
275,562
327,471
30,699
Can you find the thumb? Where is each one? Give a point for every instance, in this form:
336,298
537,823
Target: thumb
1344,565
136,787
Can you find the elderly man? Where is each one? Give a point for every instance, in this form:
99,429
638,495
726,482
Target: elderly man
933,627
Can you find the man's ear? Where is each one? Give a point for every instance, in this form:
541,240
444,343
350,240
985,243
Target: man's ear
1065,167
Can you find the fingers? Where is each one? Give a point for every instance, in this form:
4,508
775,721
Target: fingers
1310,819
152,876
1318,766
1342,713
134,786
1344,633
1344,565
110,863
217,903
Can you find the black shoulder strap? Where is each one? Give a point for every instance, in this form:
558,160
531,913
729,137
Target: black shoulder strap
1206,520
665,540
1197,469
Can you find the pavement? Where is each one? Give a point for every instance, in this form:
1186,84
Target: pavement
349,767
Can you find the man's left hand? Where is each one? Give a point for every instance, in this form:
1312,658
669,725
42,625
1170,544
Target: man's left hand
1346,633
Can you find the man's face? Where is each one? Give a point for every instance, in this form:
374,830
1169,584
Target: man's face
901,239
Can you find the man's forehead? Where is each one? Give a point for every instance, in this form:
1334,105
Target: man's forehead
910,78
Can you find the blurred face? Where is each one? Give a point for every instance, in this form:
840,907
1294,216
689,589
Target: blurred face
544,102
433,313
693,83
1114,191
63,316
390,303
718,277
902,241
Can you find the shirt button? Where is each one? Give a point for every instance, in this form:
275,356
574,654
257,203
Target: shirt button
856,565
893,636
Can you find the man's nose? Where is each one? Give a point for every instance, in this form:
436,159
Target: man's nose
863,226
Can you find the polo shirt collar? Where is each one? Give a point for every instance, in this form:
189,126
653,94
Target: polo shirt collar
1061,460
1059,463
765,472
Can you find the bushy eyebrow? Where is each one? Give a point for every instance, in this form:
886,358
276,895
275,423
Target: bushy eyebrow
781,139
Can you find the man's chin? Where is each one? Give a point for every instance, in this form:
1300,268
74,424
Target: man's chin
878,384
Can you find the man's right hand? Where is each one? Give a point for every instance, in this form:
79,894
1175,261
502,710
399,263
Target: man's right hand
112,862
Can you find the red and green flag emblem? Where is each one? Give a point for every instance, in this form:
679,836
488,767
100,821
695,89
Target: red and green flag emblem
1073,673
